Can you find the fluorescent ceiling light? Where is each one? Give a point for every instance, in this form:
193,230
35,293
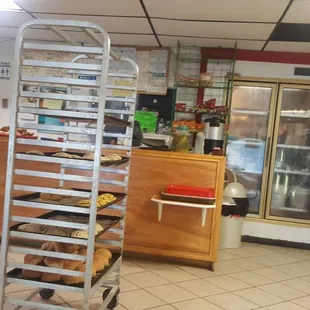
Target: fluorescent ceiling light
9,5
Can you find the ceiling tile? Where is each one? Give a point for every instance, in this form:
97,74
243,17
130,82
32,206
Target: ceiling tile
6,32
291,33
13,19
301,47
111,24
213,30
236,10
89,7
133,39
241,44
298,12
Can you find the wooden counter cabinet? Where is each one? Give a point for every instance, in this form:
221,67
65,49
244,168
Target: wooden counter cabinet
179,235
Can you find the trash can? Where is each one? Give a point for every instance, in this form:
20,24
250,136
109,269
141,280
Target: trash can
234,209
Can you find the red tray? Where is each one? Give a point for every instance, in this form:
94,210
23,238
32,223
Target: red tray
193,191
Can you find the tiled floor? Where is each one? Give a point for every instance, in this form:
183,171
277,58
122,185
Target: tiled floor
252,277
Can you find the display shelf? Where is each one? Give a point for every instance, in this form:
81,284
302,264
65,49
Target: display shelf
297,147
249,112
57,176
203,111
224,87
161,202
296,172
297,114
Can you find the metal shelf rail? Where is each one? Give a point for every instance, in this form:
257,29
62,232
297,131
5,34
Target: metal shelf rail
98,59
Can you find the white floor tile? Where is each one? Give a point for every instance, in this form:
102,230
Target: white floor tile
266,261
282,291
145,279
251,278
151,265
139,300
229,301
259,297
224,255
289,257
171,293
129,267
292,270
298,284
273,274
166,307
196,304
246,264
227,283
200,272
285,306
126,286
226,268
303,302
174,275
201,288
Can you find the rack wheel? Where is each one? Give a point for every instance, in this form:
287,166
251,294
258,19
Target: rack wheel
114,301
47,293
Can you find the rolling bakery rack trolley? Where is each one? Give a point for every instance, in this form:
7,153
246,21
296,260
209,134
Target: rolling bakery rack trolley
73,222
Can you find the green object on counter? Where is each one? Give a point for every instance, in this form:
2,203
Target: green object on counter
180,141
147,120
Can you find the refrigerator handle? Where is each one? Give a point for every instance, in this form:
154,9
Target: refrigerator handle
267,152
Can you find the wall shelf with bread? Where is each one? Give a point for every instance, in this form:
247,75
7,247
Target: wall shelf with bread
65,199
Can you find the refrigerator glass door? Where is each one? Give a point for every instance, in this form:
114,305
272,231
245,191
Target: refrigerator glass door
249,130
290,181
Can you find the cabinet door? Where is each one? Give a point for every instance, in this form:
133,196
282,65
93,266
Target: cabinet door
249,138
289,187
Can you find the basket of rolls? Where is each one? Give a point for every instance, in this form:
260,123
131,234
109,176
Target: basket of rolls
101,261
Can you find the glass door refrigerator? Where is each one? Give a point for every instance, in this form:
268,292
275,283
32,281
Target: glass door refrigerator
289,179
249,140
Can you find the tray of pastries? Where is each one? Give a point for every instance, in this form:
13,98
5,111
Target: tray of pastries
106,159
104,223
105,199
103,260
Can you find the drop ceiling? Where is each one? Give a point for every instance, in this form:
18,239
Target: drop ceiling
253,24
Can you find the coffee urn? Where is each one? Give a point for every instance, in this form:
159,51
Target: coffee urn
214,132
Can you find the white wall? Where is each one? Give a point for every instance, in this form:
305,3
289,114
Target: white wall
6,54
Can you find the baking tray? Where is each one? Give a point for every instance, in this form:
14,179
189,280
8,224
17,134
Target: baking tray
124,160
71,201
17,274
77,218
190,199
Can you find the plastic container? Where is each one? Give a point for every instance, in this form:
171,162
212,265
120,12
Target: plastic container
233,215
231,232
184,190
181,140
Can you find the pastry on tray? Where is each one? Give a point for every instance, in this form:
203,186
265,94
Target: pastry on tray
101,260
35,152
105,158
32,228
66,155
55,197
101,201
83,234
30,259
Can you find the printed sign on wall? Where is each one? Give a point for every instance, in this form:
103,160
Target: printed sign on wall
5,70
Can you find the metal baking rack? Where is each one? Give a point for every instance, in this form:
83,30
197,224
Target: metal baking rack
91,66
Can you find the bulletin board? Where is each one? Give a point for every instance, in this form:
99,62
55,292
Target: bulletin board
153,66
